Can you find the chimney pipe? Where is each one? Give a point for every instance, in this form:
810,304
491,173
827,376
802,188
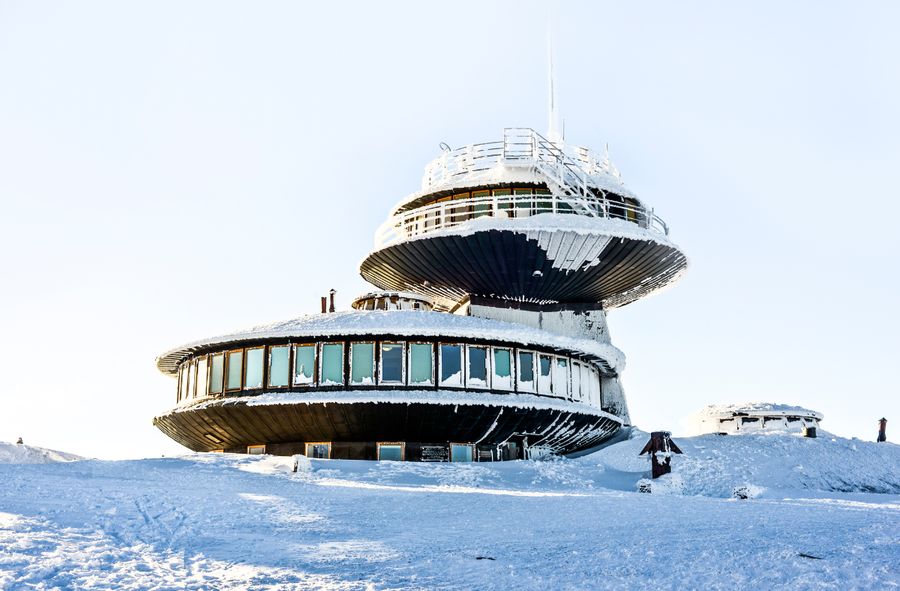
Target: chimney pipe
331,304
324,304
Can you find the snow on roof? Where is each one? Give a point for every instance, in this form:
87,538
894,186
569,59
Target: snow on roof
454,397
401,323
758,409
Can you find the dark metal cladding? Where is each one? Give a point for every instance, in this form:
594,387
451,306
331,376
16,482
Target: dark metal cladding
234,424
508,264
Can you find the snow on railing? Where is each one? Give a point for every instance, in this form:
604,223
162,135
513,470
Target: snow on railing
520,147
440,216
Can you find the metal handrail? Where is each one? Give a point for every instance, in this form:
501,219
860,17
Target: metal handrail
447,214
519,147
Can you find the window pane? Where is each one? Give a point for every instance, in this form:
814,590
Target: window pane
304,364
183,388
362,363
191,369
390,452
561,377
278,366
576,380
526,371
392,363
319,450
332,364
201,377
216,373
477,367
460,453
502,370
254,377
451,365
420,364
235,365
544,383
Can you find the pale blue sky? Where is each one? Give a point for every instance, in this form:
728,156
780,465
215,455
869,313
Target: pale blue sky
170,171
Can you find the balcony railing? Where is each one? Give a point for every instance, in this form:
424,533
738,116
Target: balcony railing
447,214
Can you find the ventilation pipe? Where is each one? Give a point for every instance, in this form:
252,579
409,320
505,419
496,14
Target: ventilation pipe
331,300
324,304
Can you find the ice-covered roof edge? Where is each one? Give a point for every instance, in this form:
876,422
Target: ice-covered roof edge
401,323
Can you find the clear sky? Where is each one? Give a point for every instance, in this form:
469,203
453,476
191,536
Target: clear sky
171,171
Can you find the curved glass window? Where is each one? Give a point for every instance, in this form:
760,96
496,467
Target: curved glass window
362,364
279,360
332,365
216,373
391,363
253,376
451,365
234,367
421,365
191,369
183,383
202,377
304,364
561,377
545,367
526,371
477,375
501,376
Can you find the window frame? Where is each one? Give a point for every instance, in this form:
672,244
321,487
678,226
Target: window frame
306,445
402,445
314,378
487,368
373,374
227,370
462,365
262,368
471,446
209,390
535,369
255,446
268,366
204,359
511,354
321,361
380,364
432,382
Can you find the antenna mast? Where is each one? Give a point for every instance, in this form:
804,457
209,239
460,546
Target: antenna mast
554,130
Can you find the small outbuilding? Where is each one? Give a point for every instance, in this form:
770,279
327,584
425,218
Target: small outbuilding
756,417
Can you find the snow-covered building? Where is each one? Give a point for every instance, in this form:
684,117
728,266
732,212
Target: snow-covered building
489,342
755,417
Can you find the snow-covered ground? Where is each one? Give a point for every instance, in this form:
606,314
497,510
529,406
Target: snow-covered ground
825,514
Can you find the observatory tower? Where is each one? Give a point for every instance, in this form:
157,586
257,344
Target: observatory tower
487,341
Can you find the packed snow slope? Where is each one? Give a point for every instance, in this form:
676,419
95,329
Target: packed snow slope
12,453
217,521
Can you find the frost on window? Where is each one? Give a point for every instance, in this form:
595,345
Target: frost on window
477,367
332,364
183,383
576,380
362,364
526,371
216,373
501,378
545,367
561,377
279,366
201,377
191,370
392,363
253,377
235,364
420,365
596,398
451,365
304,364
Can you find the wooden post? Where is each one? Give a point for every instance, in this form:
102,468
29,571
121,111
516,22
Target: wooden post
660,447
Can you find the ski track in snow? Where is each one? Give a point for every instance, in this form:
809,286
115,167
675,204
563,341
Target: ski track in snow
217,521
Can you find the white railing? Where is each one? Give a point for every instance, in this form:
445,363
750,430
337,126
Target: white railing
569,168
440,216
